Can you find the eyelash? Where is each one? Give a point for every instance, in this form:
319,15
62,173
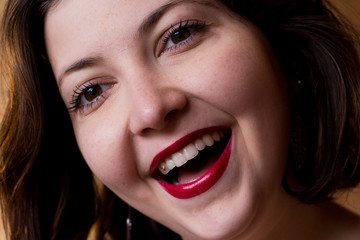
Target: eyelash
194,26
75,104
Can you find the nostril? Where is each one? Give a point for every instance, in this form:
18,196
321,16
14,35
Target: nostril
154,111
177,104
170,115
146,130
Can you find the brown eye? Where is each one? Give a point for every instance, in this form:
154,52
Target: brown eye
89,95
92,93
180,35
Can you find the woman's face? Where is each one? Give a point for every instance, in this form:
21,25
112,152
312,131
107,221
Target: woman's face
149,84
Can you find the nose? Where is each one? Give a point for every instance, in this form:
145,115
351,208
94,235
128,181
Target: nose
154,107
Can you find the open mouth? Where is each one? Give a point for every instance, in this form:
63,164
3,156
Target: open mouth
193,161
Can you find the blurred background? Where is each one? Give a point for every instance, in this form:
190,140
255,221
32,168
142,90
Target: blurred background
351,9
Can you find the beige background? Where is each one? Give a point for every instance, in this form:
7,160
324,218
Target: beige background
351,8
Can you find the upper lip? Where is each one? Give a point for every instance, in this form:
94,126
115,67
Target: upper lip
178,145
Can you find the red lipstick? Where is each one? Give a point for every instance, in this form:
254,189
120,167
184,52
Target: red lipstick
178,145
202,184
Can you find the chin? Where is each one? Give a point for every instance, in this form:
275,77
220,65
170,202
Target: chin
231,216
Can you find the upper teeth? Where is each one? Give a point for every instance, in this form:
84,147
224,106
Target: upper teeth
189,152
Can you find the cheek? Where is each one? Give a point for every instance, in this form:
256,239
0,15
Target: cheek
236,78
247,84
107,151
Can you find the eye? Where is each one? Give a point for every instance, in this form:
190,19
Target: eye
91,93
182,35
87,95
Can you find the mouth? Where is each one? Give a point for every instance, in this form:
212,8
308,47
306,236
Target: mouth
193,164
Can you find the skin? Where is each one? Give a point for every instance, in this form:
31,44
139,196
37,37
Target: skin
225,75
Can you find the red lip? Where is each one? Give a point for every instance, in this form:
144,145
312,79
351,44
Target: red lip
178,145
205,182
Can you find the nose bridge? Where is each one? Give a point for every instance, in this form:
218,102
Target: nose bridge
153,101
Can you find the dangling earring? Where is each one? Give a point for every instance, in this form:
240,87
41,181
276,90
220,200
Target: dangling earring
298,75
128,224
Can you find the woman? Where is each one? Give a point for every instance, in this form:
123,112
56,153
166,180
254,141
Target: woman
217,119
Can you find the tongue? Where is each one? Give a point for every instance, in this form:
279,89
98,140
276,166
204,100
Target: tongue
195,168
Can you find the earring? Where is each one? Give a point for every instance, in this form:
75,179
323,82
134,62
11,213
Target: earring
298,74
128,224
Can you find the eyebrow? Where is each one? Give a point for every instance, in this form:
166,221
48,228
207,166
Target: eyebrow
155,16
81,64
144,28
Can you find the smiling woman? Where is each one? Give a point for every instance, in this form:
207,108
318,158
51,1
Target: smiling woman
216,119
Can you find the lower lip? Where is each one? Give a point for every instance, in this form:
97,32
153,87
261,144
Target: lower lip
204,183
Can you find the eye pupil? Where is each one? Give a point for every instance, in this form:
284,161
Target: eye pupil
180,36
92,92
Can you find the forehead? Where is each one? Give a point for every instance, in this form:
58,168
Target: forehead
76,27
124,11
87,16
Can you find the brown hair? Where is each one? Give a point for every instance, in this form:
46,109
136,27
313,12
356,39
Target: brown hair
320,50
46,187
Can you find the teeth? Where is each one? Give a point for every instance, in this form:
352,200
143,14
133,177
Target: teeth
221,134
179,159
208,140
170,164
215,136
199,144
189,152
163,168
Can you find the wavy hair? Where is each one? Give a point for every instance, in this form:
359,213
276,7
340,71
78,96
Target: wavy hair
48,190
